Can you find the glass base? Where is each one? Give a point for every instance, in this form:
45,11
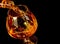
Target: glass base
31,40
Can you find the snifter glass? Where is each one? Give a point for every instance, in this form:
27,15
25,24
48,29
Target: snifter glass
20,22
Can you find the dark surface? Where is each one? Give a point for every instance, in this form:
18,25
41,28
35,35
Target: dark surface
39,9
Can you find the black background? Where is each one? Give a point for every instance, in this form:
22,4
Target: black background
40,9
